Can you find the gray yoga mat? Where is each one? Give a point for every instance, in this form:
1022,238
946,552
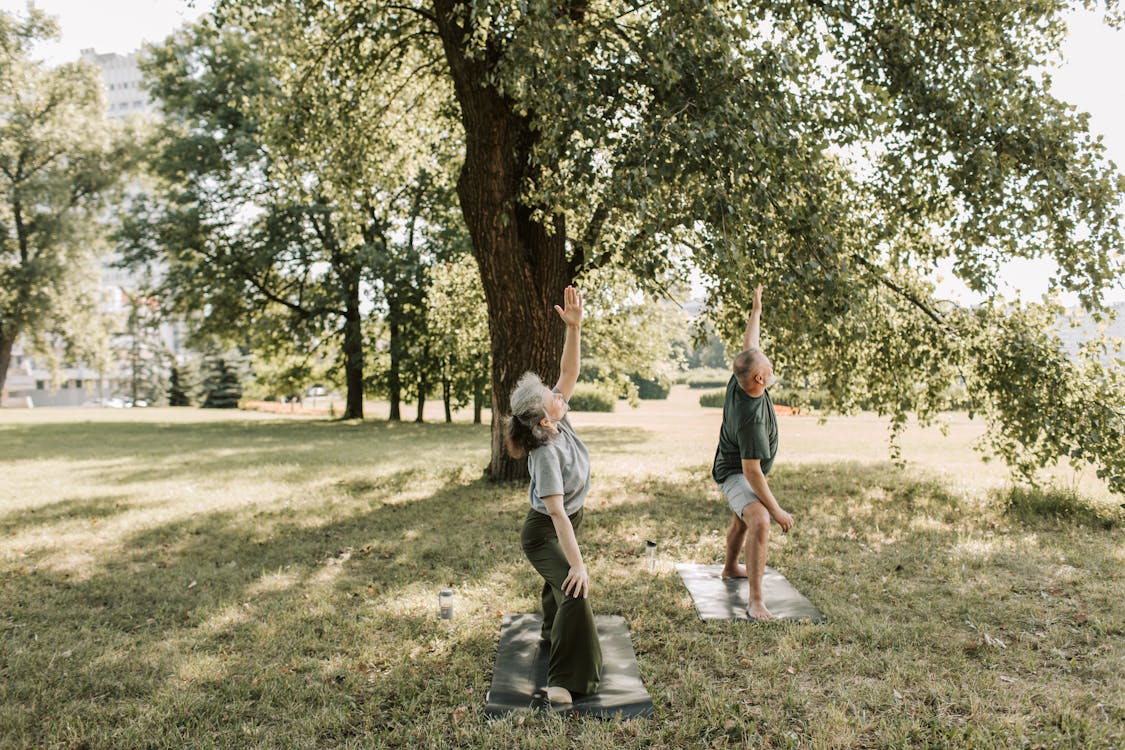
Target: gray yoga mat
716,599
520,678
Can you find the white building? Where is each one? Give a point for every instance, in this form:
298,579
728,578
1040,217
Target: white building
124,84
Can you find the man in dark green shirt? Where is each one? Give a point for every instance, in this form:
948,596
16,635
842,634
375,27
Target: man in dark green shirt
747,447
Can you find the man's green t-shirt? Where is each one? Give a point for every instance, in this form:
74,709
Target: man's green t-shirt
749,431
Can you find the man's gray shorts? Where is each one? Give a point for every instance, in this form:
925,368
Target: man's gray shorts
737,490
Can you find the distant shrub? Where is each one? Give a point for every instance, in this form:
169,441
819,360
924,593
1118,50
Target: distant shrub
800,398
655,389
591,398
707,378
714,398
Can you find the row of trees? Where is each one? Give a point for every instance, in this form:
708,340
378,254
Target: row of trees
318,159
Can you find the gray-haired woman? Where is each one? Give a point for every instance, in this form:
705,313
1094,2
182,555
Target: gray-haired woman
559,464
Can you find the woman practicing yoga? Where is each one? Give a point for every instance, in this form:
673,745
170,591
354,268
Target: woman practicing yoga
560,479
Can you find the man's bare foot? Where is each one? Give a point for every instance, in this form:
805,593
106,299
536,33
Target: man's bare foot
738,571
758,612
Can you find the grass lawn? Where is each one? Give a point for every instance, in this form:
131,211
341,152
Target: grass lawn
182,578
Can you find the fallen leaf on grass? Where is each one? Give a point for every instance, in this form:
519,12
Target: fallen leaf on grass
459,714
193,584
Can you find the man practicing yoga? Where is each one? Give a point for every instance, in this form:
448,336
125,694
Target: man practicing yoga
747,446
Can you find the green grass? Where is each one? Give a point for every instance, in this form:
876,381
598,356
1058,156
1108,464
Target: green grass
176,578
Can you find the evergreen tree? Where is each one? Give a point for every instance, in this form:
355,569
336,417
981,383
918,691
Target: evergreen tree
222,387
179,390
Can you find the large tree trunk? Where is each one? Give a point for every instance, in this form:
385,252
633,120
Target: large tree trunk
523,263
353,348
7,342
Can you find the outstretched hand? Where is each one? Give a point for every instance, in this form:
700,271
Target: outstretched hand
572,313
758,298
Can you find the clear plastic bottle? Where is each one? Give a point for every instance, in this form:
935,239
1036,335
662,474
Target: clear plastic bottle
445,604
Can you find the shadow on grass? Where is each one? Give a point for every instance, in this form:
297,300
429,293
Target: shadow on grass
315,624
76,509
266,610
1034,506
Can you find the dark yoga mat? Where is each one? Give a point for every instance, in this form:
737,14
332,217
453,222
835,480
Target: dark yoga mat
716,599
519,680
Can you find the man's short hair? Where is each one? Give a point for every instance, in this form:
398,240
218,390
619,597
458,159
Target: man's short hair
746,363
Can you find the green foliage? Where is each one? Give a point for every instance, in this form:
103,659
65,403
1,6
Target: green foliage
591,397
670,138
800,398
652,389
713,378
458,326
222,383
59,163
708,350
713,399
278,204
628,333
1043,404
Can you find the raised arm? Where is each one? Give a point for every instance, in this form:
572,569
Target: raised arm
572,350
753,335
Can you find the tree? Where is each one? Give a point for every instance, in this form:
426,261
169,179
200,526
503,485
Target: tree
143,350
222,384
59,161
428,236
180,386
628,334
835,152
458,323
277,195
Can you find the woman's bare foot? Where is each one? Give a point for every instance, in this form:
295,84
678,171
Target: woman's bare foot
558,695
738,571
758,612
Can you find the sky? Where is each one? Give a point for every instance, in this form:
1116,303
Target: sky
1090,77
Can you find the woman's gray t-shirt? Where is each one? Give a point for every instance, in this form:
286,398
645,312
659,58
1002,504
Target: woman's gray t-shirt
561,467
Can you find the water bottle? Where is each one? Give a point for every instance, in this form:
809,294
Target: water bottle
445,604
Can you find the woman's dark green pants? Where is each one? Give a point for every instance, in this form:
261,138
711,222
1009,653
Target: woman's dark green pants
568,623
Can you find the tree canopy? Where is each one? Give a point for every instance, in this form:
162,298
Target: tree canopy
833,151
59,162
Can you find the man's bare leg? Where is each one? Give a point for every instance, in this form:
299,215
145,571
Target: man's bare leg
757,520
736,541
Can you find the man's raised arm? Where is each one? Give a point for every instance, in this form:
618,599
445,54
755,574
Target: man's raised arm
752,338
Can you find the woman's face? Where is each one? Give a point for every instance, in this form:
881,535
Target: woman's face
554,404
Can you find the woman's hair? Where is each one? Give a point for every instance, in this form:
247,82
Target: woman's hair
522,431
